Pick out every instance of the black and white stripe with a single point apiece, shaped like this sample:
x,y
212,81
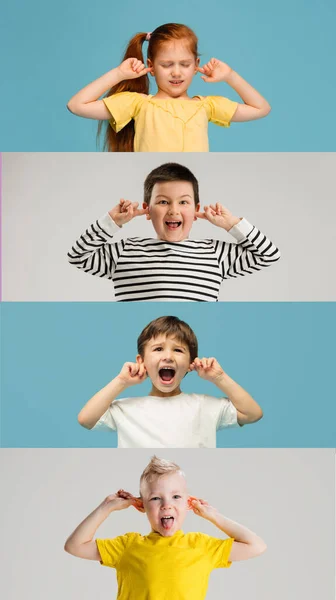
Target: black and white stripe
x,y
150,269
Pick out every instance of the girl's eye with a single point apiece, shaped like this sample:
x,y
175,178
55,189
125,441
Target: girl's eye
x,y
184,65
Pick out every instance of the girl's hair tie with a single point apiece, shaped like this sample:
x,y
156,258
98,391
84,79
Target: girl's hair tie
x,y
148,36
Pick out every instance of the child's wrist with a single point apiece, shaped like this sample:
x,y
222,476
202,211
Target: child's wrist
x,y
232,222
231,77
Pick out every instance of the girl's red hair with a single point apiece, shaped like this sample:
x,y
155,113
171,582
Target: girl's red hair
x,y
124,140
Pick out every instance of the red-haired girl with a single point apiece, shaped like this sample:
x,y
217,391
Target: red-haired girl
x,y
169,121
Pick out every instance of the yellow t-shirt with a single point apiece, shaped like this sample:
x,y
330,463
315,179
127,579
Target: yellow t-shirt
x,y
153,567
169,125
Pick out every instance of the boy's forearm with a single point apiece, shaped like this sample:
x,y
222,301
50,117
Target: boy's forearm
x,y
232,529
247,93
99,403
241,400
86,530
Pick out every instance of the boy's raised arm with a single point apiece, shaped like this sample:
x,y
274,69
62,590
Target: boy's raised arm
x,y
81,543
94,251
247,544
248,411
130,374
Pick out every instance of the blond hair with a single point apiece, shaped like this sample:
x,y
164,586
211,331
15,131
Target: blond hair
x,y
158,467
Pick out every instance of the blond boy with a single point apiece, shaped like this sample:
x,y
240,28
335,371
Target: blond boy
x,y
167,563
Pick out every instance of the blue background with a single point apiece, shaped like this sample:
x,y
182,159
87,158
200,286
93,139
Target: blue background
x,y
55,356
286,49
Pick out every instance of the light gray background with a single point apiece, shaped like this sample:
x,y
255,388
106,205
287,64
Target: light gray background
x,y
49,199
287,496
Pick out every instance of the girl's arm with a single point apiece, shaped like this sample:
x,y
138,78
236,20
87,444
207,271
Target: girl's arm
x,y
246,543
248,411
86,102
80,543
254,107
130,374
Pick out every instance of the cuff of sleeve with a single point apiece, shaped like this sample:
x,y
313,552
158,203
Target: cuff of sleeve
x,y
102,552
241,230
108,225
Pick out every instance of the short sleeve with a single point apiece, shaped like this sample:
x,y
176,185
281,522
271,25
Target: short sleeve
x,y
217,550
106,421
220,110
228,415
123,108
111,551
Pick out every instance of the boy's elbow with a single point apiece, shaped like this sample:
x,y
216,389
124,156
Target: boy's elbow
x,y
83,421
266,109
68,548
260,548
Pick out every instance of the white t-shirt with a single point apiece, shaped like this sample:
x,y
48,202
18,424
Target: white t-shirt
x,y
183,421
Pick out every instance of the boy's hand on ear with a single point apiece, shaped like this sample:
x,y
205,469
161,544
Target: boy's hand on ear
x,y
131,68
116,502
215,70
201,507
125,211
132,373
136,502
218,215
207,368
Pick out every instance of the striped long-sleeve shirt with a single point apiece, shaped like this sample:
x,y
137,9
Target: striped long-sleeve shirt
x,y
156,270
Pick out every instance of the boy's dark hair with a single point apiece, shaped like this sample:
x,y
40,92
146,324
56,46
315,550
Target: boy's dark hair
x,y
169,172
170,326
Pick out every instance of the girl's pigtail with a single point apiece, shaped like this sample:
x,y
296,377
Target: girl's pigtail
x,y
124,140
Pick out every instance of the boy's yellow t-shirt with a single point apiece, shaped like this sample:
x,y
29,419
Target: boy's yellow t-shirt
x,y
169,125
154,567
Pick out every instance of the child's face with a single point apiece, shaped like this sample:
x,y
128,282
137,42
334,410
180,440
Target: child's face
x,y
172,210
174,67
167,361
165,501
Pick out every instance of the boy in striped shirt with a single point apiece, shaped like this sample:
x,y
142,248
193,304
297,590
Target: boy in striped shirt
x,y
167,417
172,266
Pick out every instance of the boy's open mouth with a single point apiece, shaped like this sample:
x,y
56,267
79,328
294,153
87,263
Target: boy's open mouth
x,y
173,224
166,374
167,522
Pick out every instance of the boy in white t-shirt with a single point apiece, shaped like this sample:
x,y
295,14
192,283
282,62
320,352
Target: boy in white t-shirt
x,y
167,351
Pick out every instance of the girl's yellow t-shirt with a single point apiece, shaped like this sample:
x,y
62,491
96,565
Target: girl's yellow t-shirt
x,y
153,567
169,125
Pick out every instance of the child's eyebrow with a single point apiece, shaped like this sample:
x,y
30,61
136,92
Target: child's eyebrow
x,y
169,198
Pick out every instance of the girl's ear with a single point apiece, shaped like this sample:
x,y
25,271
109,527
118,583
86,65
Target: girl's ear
x,y
150,66
139,359
197,65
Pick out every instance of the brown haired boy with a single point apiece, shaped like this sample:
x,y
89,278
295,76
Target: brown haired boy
x,y
167,351
172,266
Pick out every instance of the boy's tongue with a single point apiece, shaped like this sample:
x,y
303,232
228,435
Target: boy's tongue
x,y
167,523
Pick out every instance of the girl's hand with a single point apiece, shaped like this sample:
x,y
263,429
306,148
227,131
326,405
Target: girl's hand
x,y
132,374
201,507
218,215
215,70
125,211
207,368
136,502
131,68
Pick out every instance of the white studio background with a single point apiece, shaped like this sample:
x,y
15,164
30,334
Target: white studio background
x,y
287,496
49,199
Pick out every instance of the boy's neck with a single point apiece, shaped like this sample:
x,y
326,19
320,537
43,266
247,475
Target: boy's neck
x,y
155,392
